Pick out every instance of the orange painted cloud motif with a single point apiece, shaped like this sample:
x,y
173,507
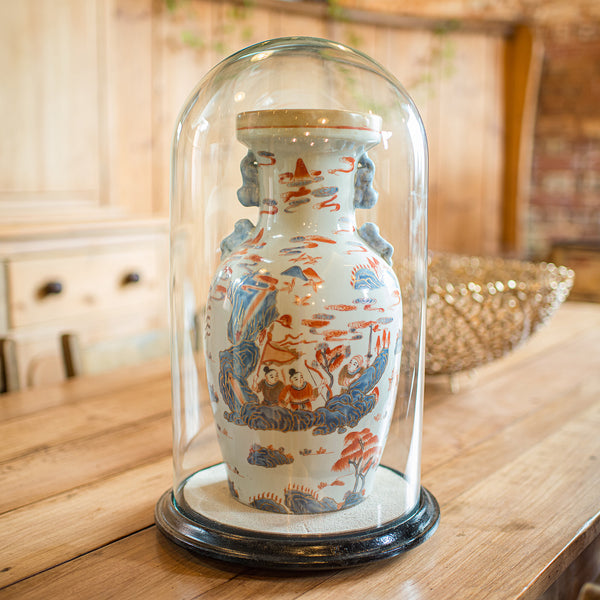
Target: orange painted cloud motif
x,y
315,322
343,307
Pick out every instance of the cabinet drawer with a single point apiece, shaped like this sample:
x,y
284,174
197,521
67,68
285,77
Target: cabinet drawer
x,y
43,289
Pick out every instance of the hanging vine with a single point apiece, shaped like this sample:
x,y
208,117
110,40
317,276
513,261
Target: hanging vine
x,y
237,24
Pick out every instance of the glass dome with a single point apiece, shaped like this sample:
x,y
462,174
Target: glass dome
x,y
298,280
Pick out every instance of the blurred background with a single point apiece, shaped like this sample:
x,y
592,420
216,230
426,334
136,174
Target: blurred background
x,y
509,92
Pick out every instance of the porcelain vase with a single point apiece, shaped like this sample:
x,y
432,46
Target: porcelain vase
x,y
304,317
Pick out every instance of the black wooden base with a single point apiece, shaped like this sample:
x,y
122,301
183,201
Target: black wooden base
x,y
298,553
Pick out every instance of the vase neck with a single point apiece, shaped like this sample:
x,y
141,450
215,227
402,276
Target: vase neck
x,y
302,167
304,191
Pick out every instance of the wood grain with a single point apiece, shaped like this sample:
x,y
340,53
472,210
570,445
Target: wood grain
x,y
455,427
523,68
148,552
49,69
30,433
126,79
452,549
479,543
90,459
67,525
464,215
30,401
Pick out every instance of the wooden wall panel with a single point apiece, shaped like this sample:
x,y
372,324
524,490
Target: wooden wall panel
x,y
183,51
49,100
494,179
523,68
455,80
96,87
126,109
464,153
410,58
456,83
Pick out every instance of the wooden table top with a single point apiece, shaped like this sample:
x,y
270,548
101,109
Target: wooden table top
x,y
513,458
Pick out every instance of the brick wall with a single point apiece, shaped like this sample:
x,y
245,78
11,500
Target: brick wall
x,y
565,192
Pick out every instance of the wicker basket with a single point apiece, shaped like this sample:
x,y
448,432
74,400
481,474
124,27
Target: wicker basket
x,y
479,309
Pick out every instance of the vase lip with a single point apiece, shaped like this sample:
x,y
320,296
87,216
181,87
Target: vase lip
x,y
308,118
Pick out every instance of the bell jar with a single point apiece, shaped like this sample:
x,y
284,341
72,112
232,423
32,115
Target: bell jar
x,y
298,288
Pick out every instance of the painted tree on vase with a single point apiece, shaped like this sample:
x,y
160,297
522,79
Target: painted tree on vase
x,y
361,452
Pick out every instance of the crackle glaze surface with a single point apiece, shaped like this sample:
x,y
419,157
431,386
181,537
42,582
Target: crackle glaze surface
x,y
304,318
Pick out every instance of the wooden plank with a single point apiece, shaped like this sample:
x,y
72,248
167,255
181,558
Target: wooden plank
x,y
126,117
354,33
410,60
149,551
70,524
30,401
82,461
296,89
397,15
456,426
461,10
435,66
492,123
189,575
465,145
544,491
60,424
185,46
49,72
286,23
461,145
584,570
522,73
482,456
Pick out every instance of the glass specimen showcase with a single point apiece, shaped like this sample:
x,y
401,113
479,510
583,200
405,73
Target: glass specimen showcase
x,y
298,287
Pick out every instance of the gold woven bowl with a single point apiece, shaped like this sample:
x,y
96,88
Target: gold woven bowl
x,y
479,309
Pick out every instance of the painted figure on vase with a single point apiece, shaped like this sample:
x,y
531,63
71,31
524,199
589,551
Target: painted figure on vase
x,y
299,394
351,372
271,386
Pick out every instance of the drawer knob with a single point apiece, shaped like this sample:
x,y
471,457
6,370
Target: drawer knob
x,y
51,288
132,277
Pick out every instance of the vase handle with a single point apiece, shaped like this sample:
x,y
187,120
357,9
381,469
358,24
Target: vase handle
x,y
248,196
365,195
248,193
241,232
369,232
